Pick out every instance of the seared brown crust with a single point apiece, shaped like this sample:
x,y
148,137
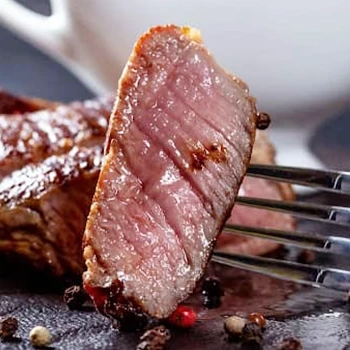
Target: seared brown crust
x,y
43,210
32,137
44,204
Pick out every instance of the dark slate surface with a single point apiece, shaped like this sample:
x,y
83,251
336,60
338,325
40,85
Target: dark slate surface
x,y
319,319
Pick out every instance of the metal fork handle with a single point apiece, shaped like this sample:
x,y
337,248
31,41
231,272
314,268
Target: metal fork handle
x,y
316,276
334,181
327,213
326,244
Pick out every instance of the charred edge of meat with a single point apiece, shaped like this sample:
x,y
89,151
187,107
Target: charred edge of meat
x,y
105,298
111,302
263,121
215,152
55,171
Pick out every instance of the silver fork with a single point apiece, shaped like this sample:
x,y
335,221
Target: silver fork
x,y
312,275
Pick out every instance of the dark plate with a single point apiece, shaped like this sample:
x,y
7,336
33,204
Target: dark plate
x,y
318,318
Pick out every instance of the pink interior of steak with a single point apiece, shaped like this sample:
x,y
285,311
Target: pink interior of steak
x,y
178,144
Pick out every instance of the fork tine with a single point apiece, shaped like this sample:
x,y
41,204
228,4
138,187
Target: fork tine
x,y
280,236
326,244
334,181
327,213
316,276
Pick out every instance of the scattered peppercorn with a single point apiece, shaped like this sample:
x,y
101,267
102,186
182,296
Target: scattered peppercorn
x,y
264,121
306,256
154,339
212,291
75,297
40,336
290,344
183,317
8,327
257,318
252,333
233,326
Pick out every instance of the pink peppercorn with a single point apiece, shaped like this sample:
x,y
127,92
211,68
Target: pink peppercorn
x,y
183,317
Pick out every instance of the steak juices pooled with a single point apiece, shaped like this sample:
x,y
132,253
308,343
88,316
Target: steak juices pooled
x,y
178,145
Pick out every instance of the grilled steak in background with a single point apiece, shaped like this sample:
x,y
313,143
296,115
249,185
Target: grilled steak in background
x,y
178,145
11,104
49,165
32,137
44,208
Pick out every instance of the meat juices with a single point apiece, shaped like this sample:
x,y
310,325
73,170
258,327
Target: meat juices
x,y
177,148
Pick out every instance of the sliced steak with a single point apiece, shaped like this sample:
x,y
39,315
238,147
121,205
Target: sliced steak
x,y
43,210
178,144
32,137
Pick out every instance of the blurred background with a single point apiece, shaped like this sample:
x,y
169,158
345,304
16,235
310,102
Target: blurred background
x,y
25,70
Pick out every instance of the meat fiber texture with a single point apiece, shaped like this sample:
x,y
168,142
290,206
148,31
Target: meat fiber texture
x,y
178,145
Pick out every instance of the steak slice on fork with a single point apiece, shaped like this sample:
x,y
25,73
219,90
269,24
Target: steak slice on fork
x,y
178,145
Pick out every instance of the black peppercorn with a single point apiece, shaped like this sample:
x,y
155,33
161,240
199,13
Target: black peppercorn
x,y
264,121
252,333
8,327
75,297
212,291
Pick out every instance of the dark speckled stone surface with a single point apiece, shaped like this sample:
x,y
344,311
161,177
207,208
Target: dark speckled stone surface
x,y
319,319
